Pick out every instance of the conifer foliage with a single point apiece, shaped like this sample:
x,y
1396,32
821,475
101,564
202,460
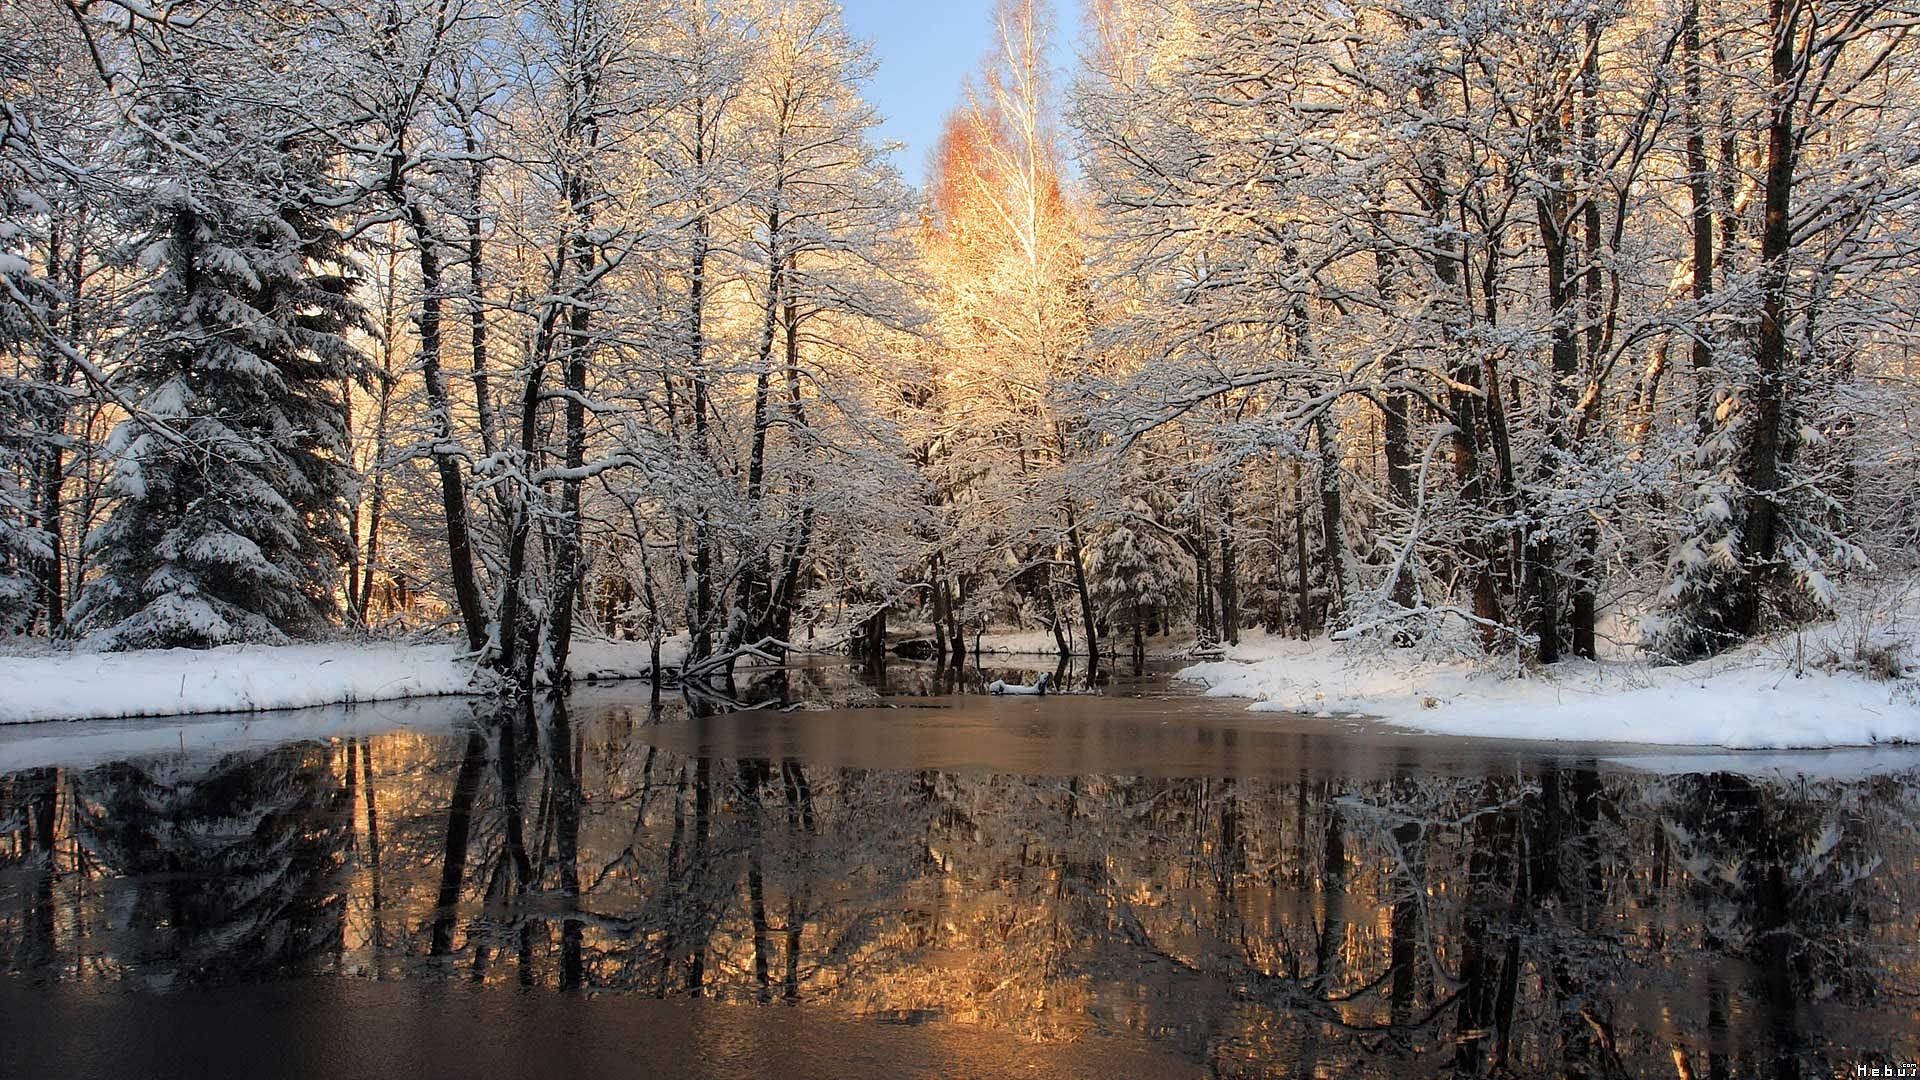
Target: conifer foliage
x,y
231,478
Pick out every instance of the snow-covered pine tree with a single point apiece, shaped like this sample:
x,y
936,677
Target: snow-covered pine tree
x,y
1137,566
22,542
23,297
232,481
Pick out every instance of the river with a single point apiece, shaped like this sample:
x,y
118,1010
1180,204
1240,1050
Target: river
x,y
895,877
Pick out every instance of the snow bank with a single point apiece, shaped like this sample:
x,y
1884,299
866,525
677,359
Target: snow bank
x,y
232,678
251,678
84,744
1750,699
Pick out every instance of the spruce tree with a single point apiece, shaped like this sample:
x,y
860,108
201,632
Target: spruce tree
x,y
21,541
232,481
23,303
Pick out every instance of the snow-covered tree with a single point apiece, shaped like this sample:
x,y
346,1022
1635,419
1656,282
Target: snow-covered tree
x,y
231,478
23,307
1005,250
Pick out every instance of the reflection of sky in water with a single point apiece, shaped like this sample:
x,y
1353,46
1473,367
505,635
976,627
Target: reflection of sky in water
x,y
1079,874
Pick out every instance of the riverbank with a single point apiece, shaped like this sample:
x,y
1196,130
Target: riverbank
x,y
50,684
1823,687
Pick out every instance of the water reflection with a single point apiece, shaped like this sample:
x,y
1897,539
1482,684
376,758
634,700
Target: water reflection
x,y
1370,910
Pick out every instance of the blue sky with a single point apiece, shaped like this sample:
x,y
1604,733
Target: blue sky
x,y
926,51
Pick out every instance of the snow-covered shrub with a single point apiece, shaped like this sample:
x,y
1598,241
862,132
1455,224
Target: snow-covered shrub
x,y
1872,633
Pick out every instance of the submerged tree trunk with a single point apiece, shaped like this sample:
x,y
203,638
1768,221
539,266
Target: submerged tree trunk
x,y
566,816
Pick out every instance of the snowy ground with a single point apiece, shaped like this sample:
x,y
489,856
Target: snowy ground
x,y
50,685
84,744
1770,695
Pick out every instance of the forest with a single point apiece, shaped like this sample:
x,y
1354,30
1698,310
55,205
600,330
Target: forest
x,y
1575,330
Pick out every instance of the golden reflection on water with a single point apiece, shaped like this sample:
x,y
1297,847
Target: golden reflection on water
x,y
1365,917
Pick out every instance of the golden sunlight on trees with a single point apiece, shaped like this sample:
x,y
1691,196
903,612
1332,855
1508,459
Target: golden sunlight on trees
x,y
1006,256
1571,333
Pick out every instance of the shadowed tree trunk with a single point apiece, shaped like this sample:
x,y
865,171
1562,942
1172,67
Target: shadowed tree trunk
x,y
444,450
1766,448
1229,575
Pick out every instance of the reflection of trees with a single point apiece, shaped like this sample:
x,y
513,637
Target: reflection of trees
x,y
1552,919
1785,884
29,824
217,872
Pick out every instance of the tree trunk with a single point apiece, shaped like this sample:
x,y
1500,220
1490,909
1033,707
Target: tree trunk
x,y
937,587
568,562
798,539
755,604
1583,615
1759,526
517,629
49,483
1700,220
1229,575
1086,594
45,458
876,642
700,618
1463,405
1396,409
477,296
1139,640
445,452
376,504
1334,545
1055,621
956,630
1204,626
1302,575
1540,544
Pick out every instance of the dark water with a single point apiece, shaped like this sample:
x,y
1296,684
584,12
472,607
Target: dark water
x,y
923,883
